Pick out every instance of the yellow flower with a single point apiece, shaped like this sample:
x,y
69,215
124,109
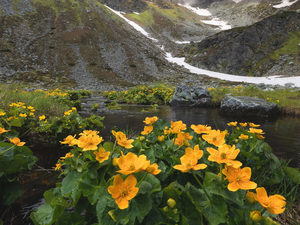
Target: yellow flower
x,y
225,154
161,138
274,204
23,115
188,163
31,108
67,155
147,130
89,132
153,169
58,167
2,130
194,152
74,109
243,124
101,155
232,124
31,114
239,178
16,141
177,127
123,191
199,129
260,137
171,203
89,142
255,216
70,140
244,137
256,131
122,140
2,113
67,113
131,163
214,137
179,140
150,120
42,117
253,125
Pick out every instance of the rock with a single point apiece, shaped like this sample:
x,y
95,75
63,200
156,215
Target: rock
x,y
247,106
190,96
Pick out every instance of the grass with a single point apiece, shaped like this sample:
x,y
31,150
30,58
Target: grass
x,y
41,101
288,100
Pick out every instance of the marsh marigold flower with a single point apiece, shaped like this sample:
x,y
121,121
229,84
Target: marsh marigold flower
x,y
177,127
225,154
122,140
2,113
153,169
194,152
131,163
243,124
101,155
199,129
42,117
189,162
23,115
215,137
256,131
244,137
179,140
70,140
58,167
68,155
150,120
147,130
274,204
239,178
161,138
16,141
251,197
89,142
232,124
2,130
123,191
253,125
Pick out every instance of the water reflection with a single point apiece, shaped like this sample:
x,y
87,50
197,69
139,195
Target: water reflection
x,y
281,133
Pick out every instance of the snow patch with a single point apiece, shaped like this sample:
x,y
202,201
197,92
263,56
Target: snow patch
x,y
211,21
133,24
255,80
284,4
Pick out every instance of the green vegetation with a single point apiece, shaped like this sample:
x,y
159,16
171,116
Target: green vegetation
x,y
158,94
168,174
288,100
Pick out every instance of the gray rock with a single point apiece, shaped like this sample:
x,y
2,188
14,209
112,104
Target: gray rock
x,y
190,96
247,106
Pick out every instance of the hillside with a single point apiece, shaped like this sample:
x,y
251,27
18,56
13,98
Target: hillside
x,y
268,47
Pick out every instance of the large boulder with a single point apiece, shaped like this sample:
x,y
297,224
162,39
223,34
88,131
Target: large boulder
x,y
190,96
247,106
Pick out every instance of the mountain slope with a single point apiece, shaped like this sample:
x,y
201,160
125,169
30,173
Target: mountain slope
x,y
264,48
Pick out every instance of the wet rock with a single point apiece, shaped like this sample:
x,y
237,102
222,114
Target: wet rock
x,y
248,106
190,96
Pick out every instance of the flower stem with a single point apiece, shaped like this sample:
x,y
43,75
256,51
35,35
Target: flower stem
x,y
201,186
263,211
7,149
248,220
142,179
221,173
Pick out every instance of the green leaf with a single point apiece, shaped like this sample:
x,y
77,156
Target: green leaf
x,y
144,187
46,215
68,218
191,215
212,183
16,123
102,208
154,217
108,146
10,192
215,211
293,174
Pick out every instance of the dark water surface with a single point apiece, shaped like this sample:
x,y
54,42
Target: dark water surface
x,y
282,134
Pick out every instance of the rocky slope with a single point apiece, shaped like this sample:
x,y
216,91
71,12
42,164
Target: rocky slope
x,y
268,47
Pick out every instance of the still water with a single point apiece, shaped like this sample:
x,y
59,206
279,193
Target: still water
x,y
282,134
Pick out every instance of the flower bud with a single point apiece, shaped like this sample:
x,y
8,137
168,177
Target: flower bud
x,y
171,203
141,138
255,216
175,211
236,141
115,162
251,197
166,209
142,151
